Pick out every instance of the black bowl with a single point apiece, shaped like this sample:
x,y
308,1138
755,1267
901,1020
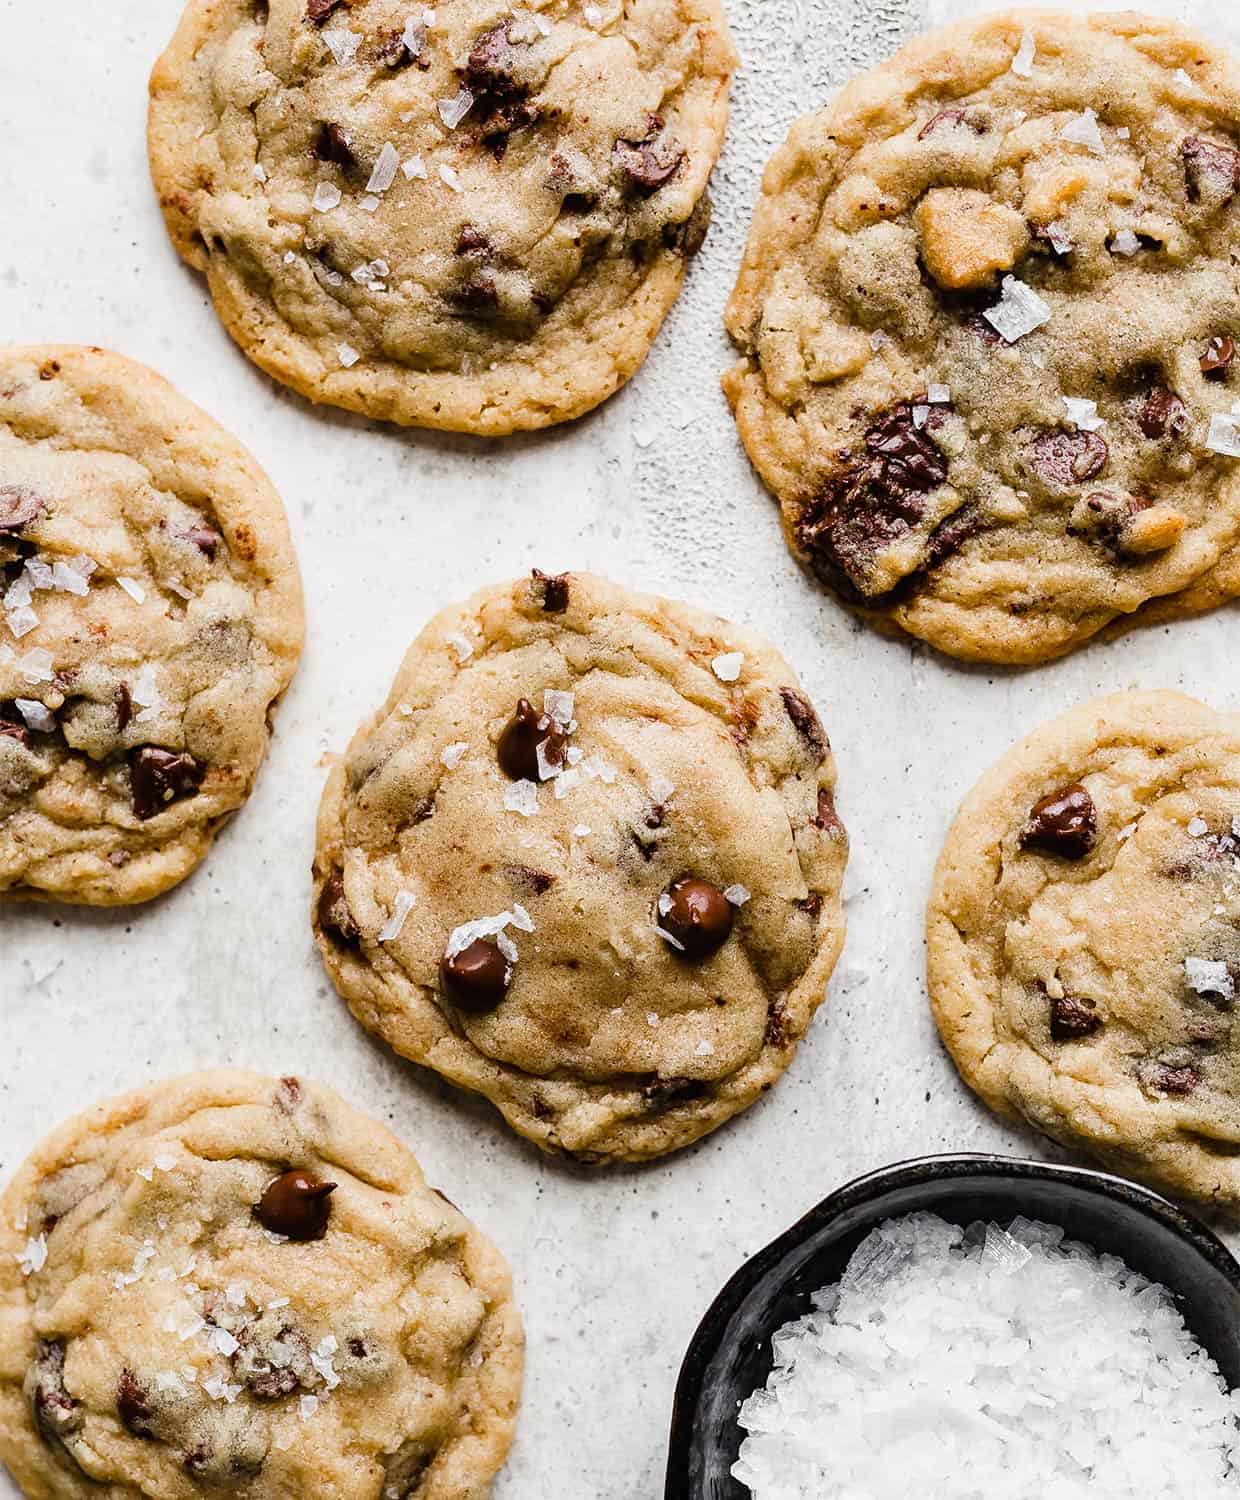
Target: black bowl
x,y
730,1354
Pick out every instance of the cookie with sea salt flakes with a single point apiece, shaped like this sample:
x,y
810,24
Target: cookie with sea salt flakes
x,y
585,861
231,1285
988,320
150,616
1084,937
473,216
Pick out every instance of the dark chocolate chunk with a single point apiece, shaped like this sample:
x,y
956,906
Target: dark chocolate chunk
x,y
297,1205
532,882
122,699
160,777
1065,823
1211,172
872,501
19,506
1217,360
648,163
827,819
319,10
1064,459
133,1405
335,918
472,241
57,1415
696,915
517,750
1178,1079
775,1033
13,727
1163,415
554,591
805,721
331,145
665,1093
1072,1017
477,977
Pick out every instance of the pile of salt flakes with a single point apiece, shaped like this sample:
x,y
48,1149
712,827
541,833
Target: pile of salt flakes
x,y
989,1364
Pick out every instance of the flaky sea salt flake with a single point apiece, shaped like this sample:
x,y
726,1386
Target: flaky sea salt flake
x,y
453,111
1084,413
1018,312
737,895
1022,63
326,197
384,174
521,797
1209,976
36,665
37,715
452,755
348,355
133,588
727,668
342,44
1082,130
1125,242
414,167
401,907
34,1257
1224,435
450,177
21,621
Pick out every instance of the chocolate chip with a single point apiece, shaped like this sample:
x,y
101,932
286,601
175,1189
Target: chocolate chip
x,y
1063,823
133,1405
477,977
472,241
688,237
122,700
827,818
477,296
1073,1017
335,918
160,777
12,727
648,163
1064,459
288,1095
554,591
949,119
1176,1079
665,1093
775,1033
1211,172
697,915
57,1415
804,720
319,10
951,534
872,501
517,750
490,71
1163,415
19,506
297,1205
526,878
332,145
1217,359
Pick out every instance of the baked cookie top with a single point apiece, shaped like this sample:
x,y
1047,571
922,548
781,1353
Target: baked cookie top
x,y
585,861
151,615
1083,937
988,319
468,216
230,1285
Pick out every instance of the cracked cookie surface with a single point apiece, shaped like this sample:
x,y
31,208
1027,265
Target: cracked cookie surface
x,y
472,216
585,861
987,319
231,1285
1084,937
152,615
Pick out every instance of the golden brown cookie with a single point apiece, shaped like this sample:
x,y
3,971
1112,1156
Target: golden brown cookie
x,y
1084,937
585,861
988,321
231,1285
468,216
152,616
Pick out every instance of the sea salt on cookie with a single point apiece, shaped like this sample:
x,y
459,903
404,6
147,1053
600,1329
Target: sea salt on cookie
x,y
229,1285
150,616
1084,952
585,861
469,216
988,320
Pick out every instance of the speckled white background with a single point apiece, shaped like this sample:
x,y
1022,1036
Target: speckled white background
x,y
613,1271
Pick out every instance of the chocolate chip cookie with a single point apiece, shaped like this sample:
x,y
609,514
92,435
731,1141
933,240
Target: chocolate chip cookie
x,y
151,616
988,320
1084,937
469,216
229,1285
586,861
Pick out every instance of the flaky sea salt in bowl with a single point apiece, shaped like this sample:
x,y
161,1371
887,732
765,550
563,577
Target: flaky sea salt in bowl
x,y
731,1356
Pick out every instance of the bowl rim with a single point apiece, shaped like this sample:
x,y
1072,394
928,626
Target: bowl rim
x,y
865,1189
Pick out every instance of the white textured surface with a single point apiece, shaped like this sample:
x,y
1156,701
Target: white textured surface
x,y
614,1270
